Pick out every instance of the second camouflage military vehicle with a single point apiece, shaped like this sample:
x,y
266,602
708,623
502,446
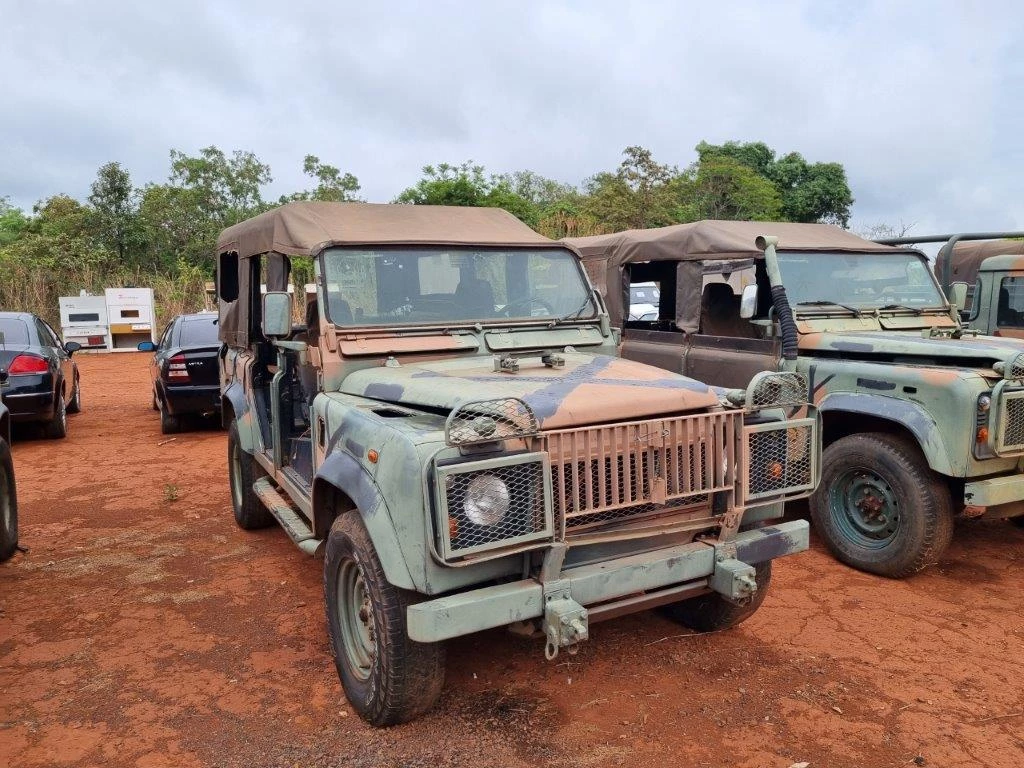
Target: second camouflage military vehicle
x,y
921,420
450,428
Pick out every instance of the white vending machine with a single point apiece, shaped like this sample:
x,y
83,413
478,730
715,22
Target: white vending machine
x,y
83,319
132,318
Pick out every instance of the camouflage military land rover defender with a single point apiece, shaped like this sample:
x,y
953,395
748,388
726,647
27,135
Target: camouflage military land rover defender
x,y
451,430
921,419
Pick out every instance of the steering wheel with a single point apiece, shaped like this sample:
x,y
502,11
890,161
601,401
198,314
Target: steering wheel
x,y
529,303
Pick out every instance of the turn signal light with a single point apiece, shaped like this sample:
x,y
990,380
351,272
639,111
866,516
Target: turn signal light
x,y
981,436
775,470
28,365
453,528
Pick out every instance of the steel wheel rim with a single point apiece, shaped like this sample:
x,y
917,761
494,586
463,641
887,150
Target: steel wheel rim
x,y
865,508
236,476
356,620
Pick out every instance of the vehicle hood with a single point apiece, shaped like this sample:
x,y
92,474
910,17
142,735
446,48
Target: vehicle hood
x,y
969,351
589,389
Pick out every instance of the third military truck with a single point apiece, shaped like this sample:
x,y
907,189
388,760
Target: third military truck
x,y
922,419
446,422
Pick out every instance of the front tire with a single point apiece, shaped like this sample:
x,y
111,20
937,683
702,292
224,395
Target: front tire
x,y
243,471
8,504
75,406
57,427
711,612
387,677
879,507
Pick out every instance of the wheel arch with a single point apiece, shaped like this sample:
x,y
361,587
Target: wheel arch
x,y
342,487
847,414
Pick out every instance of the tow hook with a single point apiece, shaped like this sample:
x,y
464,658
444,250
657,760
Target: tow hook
x,y
565,622
733,579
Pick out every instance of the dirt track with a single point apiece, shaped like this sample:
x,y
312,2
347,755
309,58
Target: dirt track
x,y
140,631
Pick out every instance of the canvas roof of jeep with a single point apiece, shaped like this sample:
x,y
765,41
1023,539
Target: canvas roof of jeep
x,y
711,239
968,256
307,228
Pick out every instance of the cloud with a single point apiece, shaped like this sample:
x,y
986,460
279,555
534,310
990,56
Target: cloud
x,y
917,100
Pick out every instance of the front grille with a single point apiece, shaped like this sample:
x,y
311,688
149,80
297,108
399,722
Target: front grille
x,y
527,517
1011,423
777,389
1017,367
640,469
781,459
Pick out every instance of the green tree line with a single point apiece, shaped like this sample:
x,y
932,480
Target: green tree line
x,y
163,235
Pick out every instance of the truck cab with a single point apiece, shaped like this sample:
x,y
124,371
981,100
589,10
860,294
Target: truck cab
x,y
446,423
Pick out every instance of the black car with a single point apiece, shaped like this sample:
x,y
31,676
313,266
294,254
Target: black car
x,y
8,494
42,380
184,370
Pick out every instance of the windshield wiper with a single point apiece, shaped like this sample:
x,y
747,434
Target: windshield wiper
x,y
574,315
847,307
915,310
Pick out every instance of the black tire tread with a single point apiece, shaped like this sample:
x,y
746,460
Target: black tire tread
x,y
253,514
936,505
9,538
75,406
57,427
711,612
411,677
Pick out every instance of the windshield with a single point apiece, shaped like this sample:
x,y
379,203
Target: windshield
x,y
441,284
864,281
13,331
644,293
1010,309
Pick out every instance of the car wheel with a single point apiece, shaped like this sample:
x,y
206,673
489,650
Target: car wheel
x,y
57,427
712,612
387,677
156,403
8,504
169,423
879,507
75,406
243,471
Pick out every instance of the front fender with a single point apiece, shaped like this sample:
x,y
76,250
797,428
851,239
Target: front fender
x,y
909,415
248,434
342,472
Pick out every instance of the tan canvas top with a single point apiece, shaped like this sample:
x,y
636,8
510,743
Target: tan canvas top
x,y
709,240
306,228
969,254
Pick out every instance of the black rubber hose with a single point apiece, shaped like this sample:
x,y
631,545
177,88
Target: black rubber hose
x,y
790,347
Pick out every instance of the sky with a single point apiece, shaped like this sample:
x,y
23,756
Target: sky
x,y
920,101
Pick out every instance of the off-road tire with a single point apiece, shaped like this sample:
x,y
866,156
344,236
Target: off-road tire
x,y
924,506
402,678
8,504
75,406
169,423
57,427
711,612
243,471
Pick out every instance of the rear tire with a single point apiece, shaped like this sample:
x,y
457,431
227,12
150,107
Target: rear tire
x,y
169,423
75,406
879,507
57,427
243,471
387,677
8,504
712,612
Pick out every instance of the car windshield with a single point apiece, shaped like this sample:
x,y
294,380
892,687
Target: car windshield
x,y
644,293
864,281
13,331
431,285
197,331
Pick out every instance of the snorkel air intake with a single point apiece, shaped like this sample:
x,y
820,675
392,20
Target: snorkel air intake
x,y
783,312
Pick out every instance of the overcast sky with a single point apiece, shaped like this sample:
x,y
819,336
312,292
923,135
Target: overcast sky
x,y
920,101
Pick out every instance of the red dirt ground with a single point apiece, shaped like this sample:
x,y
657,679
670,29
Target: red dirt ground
x,y
141,631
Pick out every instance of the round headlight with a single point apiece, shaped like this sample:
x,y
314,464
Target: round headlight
x,y
984,403
486,500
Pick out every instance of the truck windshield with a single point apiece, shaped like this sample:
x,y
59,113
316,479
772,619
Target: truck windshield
x,y
1010,310
432,285
864,281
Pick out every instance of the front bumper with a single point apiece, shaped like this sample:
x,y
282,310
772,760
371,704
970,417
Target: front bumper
x,y
698,566
995,496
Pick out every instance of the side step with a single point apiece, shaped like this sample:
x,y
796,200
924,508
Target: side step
x,y
296,528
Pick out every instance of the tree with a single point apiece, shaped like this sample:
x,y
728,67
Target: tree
x,y
115,209
13,222
809,192
228,188
466,185
723,188
334,186
639,194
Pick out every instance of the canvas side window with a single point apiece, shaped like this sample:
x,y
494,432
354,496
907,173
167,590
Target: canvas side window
x,y
1010,311
227,277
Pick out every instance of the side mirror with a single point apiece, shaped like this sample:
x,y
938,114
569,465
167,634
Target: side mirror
x,y
277,314
146,346
748,302
71,347
958,295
